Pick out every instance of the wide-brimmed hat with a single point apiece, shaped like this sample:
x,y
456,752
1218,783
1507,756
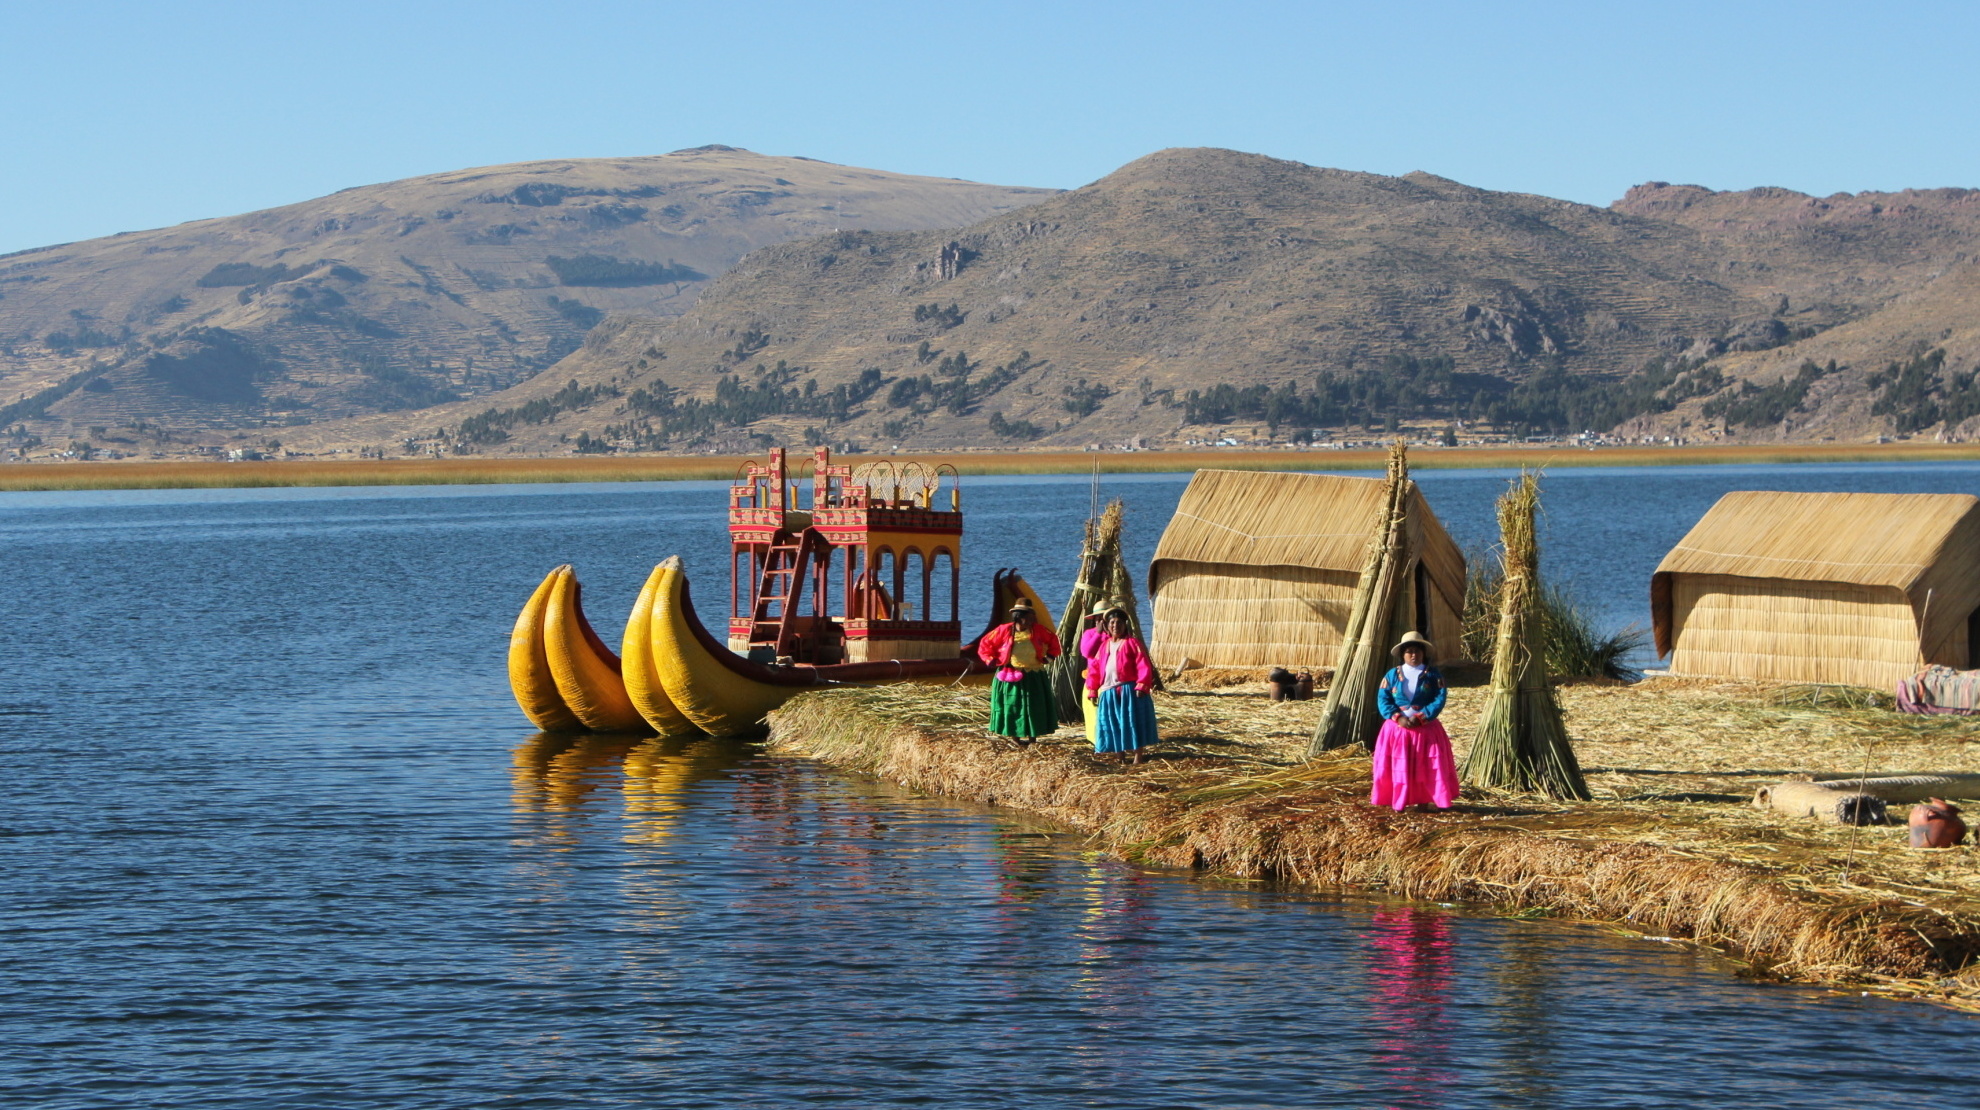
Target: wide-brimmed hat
x,y
1023,605
1106,605
1412,638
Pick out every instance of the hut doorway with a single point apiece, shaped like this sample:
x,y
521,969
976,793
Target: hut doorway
x,y
1420,607
1973,640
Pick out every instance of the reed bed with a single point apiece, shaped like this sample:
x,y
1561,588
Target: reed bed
x,y
1669,847
477,470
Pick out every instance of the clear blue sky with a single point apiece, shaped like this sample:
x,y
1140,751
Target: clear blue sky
x,y
118,116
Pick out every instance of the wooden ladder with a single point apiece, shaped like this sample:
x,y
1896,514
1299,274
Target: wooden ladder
x,y
784,567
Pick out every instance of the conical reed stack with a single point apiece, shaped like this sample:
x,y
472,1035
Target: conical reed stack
x,y
1349,716
1522,742
1100,566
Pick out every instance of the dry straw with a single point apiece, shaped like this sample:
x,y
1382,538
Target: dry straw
x,y
1261,570
1522,742
1727,876
1099,554
1349,716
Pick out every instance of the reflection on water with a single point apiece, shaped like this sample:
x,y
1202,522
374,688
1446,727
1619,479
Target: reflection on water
x,y
259,862
1410,965
853,942
658,773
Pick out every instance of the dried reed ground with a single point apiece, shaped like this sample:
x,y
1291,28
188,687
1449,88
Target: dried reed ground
x,y
1670,846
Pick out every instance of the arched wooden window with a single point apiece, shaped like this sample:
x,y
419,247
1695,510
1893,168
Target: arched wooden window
x,y
942,600
913,593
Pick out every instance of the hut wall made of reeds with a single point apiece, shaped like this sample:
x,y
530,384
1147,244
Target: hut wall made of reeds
x,y
1259,570
1861,589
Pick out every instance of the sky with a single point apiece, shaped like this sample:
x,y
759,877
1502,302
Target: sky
x,y
119,116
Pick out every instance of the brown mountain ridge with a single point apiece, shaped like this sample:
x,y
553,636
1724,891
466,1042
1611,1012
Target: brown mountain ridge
x,y
395,296
1285,297
1199,293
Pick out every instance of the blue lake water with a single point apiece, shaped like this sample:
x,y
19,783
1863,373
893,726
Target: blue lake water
x,y
275,835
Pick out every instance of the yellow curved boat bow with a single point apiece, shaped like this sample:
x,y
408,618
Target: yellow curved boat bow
x,y
586,671
642,678
716,699
529,665
564,677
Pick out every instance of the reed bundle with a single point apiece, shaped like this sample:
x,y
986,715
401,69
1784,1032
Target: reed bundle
x,y
1349,715
1522,742
1068,687
1103,578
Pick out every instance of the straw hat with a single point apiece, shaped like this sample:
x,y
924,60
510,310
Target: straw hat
x,y
1022,605
1412,638
1107,605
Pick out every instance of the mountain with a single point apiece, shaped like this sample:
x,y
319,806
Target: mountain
x,y
400,295
1875,328
1201,294
1187,292
1198,294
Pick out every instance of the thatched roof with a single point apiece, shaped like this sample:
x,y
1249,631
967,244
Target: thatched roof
x,y
1253,518
1926,545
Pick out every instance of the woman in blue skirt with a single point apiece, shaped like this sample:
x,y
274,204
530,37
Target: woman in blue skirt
x,y
1118,680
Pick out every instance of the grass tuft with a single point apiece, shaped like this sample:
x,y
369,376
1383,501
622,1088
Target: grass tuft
x,y
1572,645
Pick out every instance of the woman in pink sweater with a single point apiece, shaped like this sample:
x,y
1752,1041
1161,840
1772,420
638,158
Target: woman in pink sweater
x,y
1118,679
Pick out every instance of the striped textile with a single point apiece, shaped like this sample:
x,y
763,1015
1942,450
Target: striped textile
x,y
1940,689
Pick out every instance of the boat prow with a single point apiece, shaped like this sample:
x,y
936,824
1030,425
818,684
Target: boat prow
x,y
711,686
724,694
564,677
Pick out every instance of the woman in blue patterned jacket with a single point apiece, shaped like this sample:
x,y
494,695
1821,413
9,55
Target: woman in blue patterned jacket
x,y
1413,761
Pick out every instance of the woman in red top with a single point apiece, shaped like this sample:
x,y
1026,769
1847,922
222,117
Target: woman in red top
x,y
1021,703
1118,680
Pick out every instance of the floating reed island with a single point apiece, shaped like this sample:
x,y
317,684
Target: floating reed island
x,y
1669,846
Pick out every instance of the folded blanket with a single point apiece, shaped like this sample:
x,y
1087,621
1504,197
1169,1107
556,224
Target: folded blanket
x,y
1939,689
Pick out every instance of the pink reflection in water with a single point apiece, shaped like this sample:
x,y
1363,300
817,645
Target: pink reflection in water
x,y
1410,967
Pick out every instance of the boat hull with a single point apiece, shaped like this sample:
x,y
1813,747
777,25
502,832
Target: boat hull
x,y
676,678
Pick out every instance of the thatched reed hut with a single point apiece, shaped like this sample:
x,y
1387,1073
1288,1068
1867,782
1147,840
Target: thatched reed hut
x,y
1259,570
1862,589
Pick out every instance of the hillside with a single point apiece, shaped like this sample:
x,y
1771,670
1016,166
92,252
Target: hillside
x,y
1278,293
1205,294
1201,294
1892,281
401,295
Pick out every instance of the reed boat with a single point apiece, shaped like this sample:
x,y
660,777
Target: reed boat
x,y
882,532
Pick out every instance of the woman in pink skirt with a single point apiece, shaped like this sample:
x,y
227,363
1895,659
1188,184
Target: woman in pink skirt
x,y
1413,761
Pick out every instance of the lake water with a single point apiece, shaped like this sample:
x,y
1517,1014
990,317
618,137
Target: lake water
x,y
275,835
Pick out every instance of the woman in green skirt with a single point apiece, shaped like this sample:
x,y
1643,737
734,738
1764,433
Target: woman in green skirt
x,y
1021,702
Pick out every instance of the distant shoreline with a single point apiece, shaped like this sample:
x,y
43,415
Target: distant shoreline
x,y
137,474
